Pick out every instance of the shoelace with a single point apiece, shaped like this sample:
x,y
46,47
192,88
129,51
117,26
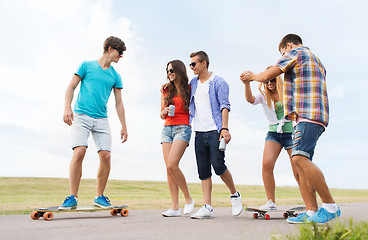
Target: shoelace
x,y
106,198
66,199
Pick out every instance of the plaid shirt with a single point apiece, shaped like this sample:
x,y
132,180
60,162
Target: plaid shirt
x,y
305,93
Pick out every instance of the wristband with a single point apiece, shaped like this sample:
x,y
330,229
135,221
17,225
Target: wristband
x,y
224,129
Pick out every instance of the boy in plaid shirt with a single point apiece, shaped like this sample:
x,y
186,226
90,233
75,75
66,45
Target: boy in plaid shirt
x,y
306,103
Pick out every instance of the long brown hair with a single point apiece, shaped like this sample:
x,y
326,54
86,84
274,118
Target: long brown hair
x,y
182,88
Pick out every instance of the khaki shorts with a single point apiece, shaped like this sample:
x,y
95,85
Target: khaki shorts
x,y
99,127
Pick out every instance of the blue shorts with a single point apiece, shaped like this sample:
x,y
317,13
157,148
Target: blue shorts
x,y
284,139
176,132
208,153
305,136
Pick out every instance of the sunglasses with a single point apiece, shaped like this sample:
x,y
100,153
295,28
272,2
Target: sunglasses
x,y
192,64
170,71
120,51
271,81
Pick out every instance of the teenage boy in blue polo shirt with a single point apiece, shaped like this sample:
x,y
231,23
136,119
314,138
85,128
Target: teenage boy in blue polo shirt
x,y
97,78
209,107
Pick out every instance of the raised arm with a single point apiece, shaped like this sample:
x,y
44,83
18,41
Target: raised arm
x,y
264,76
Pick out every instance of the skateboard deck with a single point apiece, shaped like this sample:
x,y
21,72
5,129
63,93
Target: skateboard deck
x,y
47,213
292,212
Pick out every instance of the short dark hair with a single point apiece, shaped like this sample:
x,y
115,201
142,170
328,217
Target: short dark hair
x,y
293,38
115,43
202,56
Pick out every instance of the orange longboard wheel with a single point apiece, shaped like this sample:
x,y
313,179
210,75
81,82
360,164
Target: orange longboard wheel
x,y
114,212
255,215
267,217
35,215
48,216
124,212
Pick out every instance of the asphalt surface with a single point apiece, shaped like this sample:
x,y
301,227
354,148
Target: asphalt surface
x,y
149,224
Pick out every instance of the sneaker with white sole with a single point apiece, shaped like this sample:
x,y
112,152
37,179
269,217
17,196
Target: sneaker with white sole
x,y
203,213
270,205
102,202
69,203
323,216
237,205
171,213
301,218
188,208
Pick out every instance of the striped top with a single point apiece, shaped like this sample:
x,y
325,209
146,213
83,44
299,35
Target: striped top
x,y
305,92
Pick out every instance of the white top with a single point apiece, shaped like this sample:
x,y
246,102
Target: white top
x,y
270,112
203,121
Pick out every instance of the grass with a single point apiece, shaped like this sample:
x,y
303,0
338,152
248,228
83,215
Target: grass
x,y
337,230
22,195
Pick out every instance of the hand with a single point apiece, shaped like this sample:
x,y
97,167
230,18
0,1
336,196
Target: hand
x,y
123,135
68,116
165,111
163,87
246,76
225,134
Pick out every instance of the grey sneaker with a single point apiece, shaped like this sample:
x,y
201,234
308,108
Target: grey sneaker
x,y
236,202
270,205
171,213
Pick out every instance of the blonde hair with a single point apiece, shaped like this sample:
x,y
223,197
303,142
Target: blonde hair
x,y
268,94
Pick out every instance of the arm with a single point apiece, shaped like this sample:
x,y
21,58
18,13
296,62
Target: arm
x,y
121,114
68,112
264,76
164,110
248,92
225,120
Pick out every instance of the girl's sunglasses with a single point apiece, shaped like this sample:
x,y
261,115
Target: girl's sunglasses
x,y
170,71
271,81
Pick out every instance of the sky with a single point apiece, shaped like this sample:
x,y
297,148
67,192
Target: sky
x,y
43,42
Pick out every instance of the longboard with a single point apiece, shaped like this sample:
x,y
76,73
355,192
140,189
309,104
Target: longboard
x,y
292,212
47,213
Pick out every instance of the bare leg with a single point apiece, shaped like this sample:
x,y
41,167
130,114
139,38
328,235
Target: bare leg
x,y
228,180
103,171
172,154
311,180
207,190
75,169
270,154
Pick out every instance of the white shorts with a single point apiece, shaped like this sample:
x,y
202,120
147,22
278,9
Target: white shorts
x,y
99,127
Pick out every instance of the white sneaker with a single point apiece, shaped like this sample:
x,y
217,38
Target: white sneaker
x,y
237,204
188,208
171,213
270,205
203,213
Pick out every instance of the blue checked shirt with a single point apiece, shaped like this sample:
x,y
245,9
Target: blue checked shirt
x,y
219,99
305,91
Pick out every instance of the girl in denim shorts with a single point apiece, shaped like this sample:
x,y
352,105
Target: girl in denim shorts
x,y
176,133
279,132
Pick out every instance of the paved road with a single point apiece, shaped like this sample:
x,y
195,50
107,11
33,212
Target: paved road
x,y
149,224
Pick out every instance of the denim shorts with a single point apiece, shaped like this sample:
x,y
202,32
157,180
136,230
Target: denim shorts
x,y
176,132
99,127
208,153
284,139
305,136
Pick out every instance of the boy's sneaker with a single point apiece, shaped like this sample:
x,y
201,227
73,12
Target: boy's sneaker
x,y
69,203
301,218
203,213
102,202
236,202
171,213
270,205
323,216
188,208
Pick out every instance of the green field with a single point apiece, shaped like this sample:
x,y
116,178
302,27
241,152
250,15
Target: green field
x,y
22,195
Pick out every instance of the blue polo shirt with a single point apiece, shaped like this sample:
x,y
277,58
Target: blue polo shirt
x,y
95,88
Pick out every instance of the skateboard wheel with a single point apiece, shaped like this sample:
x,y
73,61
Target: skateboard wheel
x,y
124,212
255,215
295,214
114,212
285,215
48,216
35,215
267,217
